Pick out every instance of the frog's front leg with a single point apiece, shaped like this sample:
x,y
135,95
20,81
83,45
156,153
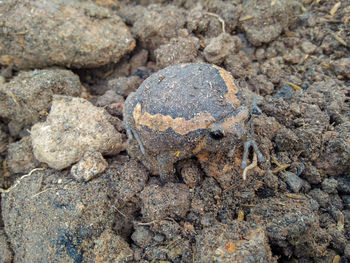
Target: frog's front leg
x,y
166,167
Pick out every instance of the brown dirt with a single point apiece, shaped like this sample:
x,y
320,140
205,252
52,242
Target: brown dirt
x,y
294,207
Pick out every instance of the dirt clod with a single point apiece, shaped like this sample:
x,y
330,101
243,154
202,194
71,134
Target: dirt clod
x,y
90,165
5,252
26,99
233,242
39,34
110,247
170,200
178,50
20,157
61,145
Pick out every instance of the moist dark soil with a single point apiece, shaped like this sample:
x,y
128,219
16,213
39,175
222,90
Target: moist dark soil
x,y
74,189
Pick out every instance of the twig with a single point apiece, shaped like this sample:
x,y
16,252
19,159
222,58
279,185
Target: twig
x,y
19,180
250,166
220,20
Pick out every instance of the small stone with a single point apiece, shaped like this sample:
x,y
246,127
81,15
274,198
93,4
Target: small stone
x,y
142,236
89,166
308,47
293,181
329,185
110,247
73,127
221,47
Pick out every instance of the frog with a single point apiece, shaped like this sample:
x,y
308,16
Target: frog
x,y
184,110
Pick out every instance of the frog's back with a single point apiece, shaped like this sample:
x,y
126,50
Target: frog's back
x,y
186,90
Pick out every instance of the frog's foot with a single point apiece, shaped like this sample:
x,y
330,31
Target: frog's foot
x,y
166,168
131,133
247,145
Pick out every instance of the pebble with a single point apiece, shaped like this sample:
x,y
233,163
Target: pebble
x,y
293,181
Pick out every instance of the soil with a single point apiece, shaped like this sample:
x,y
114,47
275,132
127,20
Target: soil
x,y
70,192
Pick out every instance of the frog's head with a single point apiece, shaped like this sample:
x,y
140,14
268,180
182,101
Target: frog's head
x,y
230,130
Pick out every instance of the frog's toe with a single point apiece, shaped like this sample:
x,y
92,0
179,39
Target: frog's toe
x,y
247,145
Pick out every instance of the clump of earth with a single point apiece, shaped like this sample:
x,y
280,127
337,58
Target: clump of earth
x,y
75,189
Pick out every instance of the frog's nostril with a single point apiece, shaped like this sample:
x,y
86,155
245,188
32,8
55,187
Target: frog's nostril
x,y
216,135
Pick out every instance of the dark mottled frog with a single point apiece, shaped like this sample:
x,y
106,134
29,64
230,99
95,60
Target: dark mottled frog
x,y
184,110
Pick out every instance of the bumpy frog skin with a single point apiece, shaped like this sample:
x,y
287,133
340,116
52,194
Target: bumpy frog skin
x,y
184,110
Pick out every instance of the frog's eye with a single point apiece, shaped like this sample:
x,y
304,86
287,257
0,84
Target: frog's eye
x,y
216,135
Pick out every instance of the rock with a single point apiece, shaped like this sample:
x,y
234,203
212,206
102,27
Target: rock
x,y
68,34
291,226
264,22
236,241
293,181
50,218
178,50
73,127
142,236
5,252
110,247
221,47
20,157
329,185
26,99
91,164
170,200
